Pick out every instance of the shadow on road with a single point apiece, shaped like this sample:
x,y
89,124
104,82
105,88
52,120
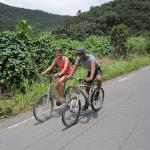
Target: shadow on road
x,y
86,116
57,112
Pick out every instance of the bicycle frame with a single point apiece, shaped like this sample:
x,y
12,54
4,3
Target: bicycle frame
x,y
87,96
49,86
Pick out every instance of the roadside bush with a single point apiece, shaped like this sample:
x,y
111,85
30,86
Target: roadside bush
x,y
16,61
137,45
99,46
119,35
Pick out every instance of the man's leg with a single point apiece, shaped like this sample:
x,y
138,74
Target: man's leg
x,y
88,84
88,87
99,81
99,84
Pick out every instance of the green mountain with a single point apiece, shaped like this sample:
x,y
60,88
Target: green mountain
x,y
40,20
99,20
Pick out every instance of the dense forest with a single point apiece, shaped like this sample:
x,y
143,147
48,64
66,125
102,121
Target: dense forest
x,y
99,20
9,16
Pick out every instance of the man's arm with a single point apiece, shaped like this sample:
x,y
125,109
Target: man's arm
x,y
74,68
92,70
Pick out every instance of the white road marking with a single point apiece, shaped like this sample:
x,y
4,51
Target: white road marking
x,y
20,123
23,122
126,78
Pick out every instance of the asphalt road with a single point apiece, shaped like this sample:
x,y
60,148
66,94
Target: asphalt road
x,y
122,124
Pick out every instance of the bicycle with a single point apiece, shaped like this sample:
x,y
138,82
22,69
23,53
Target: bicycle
x,y
44,106
73,104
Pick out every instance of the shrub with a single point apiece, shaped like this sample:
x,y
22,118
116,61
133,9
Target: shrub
x,y
137,45
99,46
16,60
119,36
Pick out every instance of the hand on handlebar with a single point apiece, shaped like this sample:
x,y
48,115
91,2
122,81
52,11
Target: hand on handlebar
x,y
57,75
70,76
88,79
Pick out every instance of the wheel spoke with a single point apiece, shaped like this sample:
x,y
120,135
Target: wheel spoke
x,y
43,108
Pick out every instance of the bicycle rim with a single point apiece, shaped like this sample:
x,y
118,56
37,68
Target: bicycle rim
x,y
97,103
71,112
42,109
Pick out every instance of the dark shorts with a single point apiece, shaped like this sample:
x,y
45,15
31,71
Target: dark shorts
x,y
98,71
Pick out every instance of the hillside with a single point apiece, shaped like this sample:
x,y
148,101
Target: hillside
x,y
99,20
41,20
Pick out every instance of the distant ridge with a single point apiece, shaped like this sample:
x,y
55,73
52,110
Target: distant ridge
x,y
9,15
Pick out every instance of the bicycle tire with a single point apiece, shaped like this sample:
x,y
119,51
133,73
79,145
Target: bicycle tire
x,y
72,109
100,99
43,101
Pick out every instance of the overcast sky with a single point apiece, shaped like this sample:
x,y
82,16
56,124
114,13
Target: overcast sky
x,y
62,7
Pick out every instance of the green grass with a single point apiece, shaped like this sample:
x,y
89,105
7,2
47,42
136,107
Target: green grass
x,y
20,102
123,67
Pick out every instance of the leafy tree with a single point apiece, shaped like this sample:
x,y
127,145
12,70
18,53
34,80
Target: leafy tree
x,y
133,13
119,36
23,29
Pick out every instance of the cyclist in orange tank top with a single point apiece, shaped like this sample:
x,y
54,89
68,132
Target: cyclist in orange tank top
x,y
66,69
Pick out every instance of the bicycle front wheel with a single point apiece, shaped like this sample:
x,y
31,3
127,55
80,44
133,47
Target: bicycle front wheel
x,y
97,99
43,108
71,112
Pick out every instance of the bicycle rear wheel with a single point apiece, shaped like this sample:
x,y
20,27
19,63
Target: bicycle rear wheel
x,y
97,101
43,108
71,112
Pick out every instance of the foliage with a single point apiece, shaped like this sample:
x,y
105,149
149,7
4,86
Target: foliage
x,y
121,67
21,59
16,60
100,19
119,36
9,16
83,30
137,45
99,46
23,29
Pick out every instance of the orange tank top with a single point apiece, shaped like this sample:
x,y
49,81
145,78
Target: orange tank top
x,y
62,65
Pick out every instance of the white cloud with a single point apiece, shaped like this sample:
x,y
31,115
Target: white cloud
x,y
63,7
